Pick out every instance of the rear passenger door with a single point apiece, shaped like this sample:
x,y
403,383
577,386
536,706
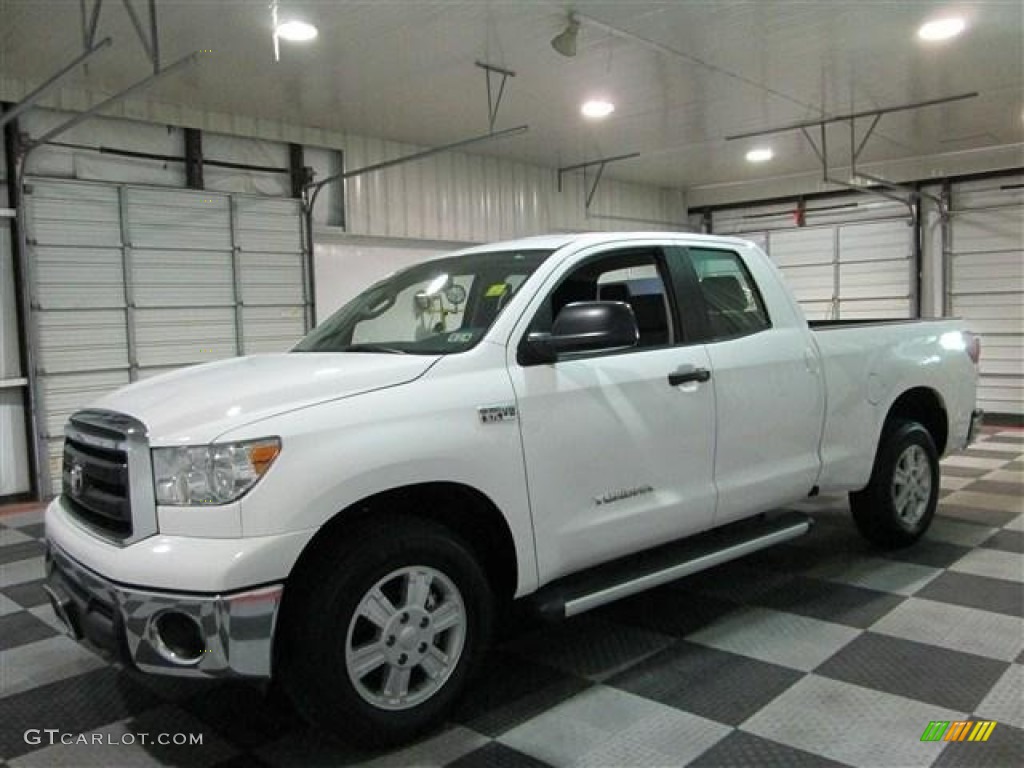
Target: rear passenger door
x,y
767,386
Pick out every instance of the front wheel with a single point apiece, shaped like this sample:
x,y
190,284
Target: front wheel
x,y
897,506
383,641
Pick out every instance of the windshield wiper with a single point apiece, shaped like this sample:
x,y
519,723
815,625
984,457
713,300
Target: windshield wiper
x,y
373,348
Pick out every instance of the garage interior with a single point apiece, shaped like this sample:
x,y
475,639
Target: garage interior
x,y
183,185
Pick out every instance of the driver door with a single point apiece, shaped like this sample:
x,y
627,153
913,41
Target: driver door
x,y
618,459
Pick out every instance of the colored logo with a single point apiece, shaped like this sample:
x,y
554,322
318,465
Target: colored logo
x,y
959,730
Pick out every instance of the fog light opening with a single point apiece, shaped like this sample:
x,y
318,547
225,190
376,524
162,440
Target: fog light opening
x,y
179,638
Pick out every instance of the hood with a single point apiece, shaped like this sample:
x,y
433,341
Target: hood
x,y
199,403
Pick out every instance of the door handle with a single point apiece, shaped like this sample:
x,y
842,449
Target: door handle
x,y
683,377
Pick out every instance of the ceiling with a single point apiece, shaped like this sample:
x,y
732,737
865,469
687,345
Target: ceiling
x,y
683,75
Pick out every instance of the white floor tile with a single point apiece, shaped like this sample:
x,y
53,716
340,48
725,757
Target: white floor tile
x,y
952,626
792,641
13,536
997,502
851,724
1005,702
954,483
21,571
994,563
606,727
974,462
876,573
43,662
1017,524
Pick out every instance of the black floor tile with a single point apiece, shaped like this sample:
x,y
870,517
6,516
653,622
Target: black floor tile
x,y
994,486
830,601
742,581
1015,466
1008,541
964,471
973,591
175,723
36,530
76,705
243,714
23,550
990,517
588,646
1004,748
22,628
242,760
786,559
670,611
745,750
714,684
28,594
936,554
927,673
510,690
495,755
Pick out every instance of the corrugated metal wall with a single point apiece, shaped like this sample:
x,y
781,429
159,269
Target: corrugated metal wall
x,y
475,198
14,475
985,256
129,282
853,259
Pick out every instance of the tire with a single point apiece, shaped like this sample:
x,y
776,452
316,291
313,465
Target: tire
x,y
898,504
384,631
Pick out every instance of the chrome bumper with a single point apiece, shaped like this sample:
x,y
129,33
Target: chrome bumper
x,y
233,633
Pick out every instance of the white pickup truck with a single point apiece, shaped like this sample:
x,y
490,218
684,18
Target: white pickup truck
x,y
570,419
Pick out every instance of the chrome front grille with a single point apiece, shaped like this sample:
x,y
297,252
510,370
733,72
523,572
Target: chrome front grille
x,y
107,475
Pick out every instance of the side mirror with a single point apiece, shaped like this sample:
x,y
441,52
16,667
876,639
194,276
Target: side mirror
x,y
585,326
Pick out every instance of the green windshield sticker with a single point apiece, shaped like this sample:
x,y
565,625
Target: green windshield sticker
x,y
496,290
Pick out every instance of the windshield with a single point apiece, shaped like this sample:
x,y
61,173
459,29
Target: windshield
x,y
435,308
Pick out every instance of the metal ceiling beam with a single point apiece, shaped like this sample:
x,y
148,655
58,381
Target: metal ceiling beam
x,y
851,116
92,111
602,162
29,101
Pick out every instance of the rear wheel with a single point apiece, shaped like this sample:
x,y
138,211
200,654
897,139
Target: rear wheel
x,y
897,506
385,633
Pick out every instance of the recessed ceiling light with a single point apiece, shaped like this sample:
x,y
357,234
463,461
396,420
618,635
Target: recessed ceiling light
x,y
296,31
760,155
941,29
597,108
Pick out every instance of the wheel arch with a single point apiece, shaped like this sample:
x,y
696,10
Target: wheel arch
x,y
925,406
466,511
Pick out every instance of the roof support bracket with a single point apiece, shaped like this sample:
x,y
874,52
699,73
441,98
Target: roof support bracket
x,y
859,180
494,101
600,164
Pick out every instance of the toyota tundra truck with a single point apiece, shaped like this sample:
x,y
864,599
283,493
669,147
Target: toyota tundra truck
x,y
562,421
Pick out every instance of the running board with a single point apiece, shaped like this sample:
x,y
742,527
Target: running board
x,y
606,583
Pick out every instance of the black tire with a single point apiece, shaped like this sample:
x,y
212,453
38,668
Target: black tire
x,y
906,447
325,624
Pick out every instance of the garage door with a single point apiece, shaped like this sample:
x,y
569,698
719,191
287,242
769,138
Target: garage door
x,y
129,282
986,283
852,260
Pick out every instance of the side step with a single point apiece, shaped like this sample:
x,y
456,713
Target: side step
x,y
627,576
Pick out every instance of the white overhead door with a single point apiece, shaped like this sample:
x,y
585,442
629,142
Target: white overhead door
x,y
129,282
986,283
14,464
853,258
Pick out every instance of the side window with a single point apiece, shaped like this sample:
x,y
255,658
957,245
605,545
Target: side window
x,y
634,277
731,300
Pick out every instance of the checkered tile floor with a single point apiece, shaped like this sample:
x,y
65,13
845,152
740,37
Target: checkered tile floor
x,y
819,652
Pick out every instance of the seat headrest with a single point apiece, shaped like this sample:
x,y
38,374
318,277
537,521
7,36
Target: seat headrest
x,y
614,292
724,292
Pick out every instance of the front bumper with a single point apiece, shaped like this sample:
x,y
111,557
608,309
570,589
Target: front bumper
x,y
233,633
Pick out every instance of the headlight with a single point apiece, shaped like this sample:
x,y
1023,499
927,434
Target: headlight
x,y
211,474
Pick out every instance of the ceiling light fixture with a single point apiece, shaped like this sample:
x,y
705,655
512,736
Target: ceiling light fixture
x,y
597,109
760,155
941,29
565,41
295,31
